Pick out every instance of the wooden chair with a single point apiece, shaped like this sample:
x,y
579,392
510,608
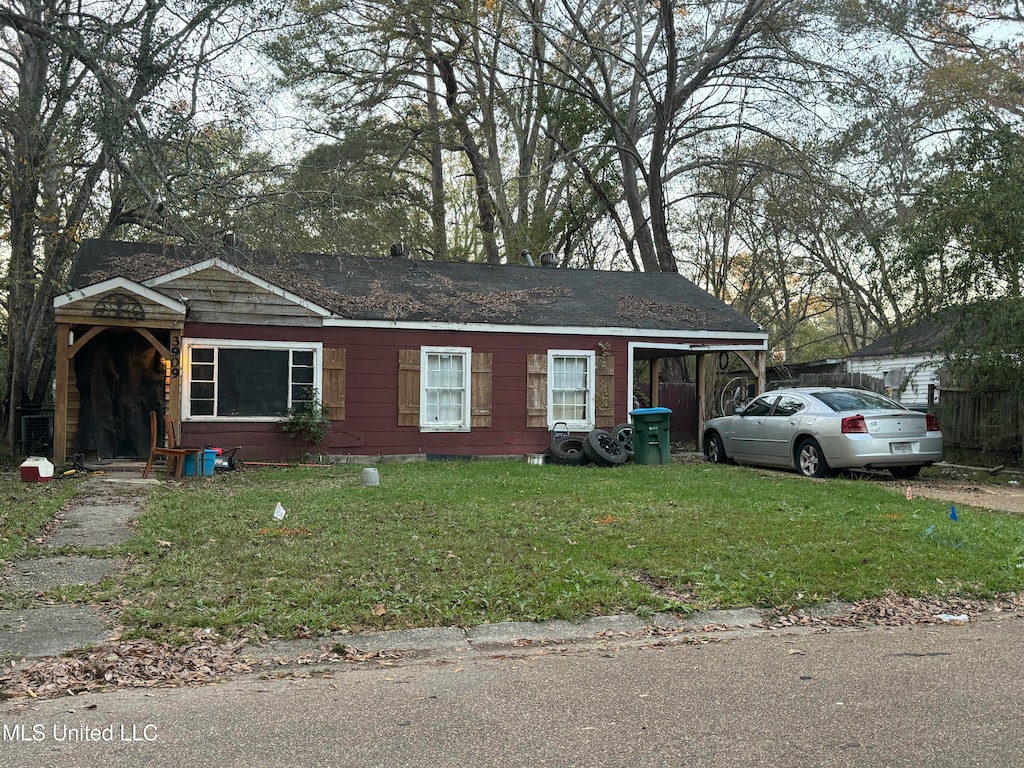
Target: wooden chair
x,y
173,451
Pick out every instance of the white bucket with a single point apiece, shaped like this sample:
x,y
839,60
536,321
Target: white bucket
x,y
370,476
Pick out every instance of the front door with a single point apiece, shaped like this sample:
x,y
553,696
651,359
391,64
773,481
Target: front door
x,y
120,379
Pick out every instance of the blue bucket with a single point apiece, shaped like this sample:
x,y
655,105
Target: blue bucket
x,y
189,467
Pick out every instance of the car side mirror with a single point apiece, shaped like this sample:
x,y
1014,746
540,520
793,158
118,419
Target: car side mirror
x,y
740,410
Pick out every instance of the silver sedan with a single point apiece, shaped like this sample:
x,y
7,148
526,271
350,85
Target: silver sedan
x,y
818,429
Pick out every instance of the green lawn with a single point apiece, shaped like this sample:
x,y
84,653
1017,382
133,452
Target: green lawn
x,y
458,543
24,509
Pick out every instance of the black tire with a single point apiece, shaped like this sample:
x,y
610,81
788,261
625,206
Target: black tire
x,y
904,473
603,449
810,461
714,450
624,434
568,451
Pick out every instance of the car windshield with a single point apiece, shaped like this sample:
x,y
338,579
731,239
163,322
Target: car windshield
x,y
856,400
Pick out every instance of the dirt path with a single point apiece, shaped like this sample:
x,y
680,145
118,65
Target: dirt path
x,y
1001,498
1003,492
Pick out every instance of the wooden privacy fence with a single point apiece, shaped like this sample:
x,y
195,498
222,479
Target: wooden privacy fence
x,y
842,379
982,426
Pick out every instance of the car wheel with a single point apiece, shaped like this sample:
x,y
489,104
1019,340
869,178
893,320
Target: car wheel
x,y
568,451
810,462
624,434
714,451
904,473
603,449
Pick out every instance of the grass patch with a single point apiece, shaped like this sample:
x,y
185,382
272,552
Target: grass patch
x,y
466,542
25,508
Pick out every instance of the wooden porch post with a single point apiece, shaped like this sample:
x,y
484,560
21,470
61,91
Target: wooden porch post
x,y
60,403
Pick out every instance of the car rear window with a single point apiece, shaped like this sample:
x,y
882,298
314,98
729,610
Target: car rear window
x,y
859,400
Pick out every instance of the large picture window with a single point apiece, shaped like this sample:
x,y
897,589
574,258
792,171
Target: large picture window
x,y
571,388
247,380
445,393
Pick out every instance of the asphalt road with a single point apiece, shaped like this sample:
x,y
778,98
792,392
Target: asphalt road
x,y
924,696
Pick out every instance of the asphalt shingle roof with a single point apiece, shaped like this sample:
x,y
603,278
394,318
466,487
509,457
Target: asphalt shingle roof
x,y
405,289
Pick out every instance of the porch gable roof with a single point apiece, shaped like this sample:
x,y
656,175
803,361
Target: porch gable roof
x,y
115,286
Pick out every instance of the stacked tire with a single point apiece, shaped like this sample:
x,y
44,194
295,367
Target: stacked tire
x,y
567,451
605,448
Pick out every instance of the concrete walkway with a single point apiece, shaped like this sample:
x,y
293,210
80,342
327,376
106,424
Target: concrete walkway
x,y
96,520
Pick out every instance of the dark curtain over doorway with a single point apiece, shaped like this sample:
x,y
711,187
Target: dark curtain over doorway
x,y
120,379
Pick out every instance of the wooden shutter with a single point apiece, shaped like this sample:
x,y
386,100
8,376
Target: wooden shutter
x,y
604,392
408,387
334,383
481,389
537,390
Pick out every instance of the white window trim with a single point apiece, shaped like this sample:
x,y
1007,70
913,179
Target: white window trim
x,y
578,425
467,373
315,347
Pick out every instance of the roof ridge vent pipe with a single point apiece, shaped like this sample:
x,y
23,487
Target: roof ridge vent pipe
x,y
548,259
526,256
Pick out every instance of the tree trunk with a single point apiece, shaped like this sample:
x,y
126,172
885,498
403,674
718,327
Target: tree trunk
x,y
484,201
438,207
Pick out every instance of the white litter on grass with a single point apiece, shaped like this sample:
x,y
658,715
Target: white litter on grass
x,y
949,618
279,512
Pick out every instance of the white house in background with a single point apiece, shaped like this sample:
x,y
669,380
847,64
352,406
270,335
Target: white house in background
x,y
908,361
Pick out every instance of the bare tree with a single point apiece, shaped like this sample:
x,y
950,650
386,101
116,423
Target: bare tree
x,y
492,116
664,76
81,88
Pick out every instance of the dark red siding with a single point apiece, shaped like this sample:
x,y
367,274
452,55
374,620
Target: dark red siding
x,y
371,408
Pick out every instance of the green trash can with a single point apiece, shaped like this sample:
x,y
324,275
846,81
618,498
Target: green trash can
x,y
651,435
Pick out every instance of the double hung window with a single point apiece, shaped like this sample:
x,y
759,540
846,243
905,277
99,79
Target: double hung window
x,y
250,380
571,388
445,388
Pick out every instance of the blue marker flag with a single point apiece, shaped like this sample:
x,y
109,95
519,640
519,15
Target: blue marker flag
x,y
952,514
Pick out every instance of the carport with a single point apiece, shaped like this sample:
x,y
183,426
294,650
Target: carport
x,y
752,352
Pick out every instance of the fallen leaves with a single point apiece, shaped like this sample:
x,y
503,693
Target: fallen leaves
x,y
894,610
128,664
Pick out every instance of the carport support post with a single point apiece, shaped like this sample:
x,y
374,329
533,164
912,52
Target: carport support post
x,y
655,380
702,398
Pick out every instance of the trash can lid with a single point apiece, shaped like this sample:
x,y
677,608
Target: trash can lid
x,y
642,411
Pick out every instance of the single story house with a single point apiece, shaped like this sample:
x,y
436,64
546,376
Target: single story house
x,y
907,361
408,357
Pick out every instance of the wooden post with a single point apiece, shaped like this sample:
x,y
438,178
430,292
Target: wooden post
x,y
702,398
60,402
655,380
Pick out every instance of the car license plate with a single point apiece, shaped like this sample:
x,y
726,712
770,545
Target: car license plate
x,y
901,447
